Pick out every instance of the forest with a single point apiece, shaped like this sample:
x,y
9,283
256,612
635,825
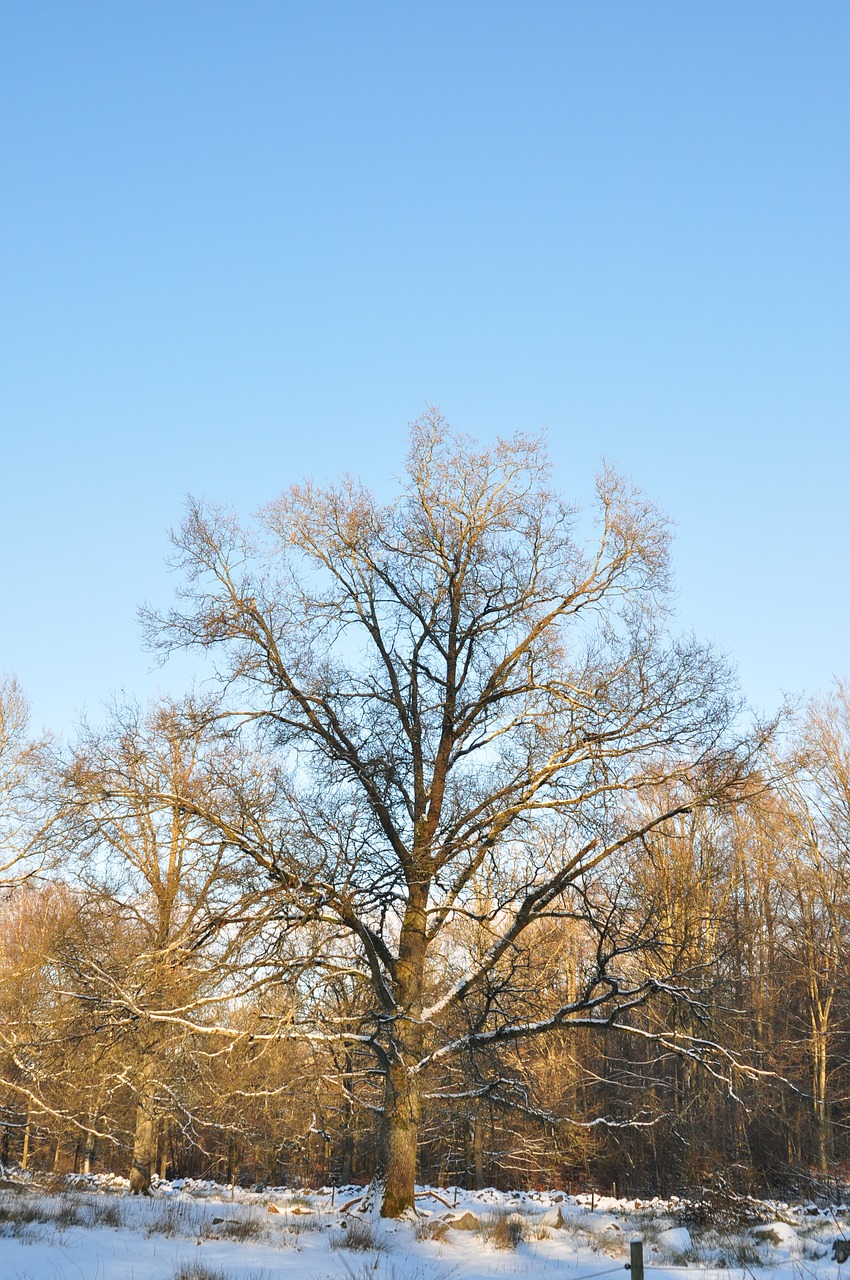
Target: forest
x,y
462,863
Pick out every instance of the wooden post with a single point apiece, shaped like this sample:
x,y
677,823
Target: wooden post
x,y
636,1259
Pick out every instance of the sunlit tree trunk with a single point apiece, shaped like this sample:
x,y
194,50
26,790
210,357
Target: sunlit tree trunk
x,y
478,1149
403,1087
820,1018
144,1140
25,1154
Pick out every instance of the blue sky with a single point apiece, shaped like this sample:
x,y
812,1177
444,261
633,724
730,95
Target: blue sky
x,y
245,243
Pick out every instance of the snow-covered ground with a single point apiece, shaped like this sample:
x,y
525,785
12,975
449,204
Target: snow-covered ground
x,y
191,1230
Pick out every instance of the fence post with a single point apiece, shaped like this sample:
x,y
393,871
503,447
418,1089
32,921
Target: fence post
x,y
636,1259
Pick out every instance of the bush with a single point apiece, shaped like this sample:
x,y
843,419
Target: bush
x,y
721,1207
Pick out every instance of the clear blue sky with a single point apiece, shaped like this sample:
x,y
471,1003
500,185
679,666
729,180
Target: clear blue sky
x,y
246,242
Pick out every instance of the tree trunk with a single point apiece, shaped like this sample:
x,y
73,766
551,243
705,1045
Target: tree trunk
x,y
819,1011
163,1152
25,1155
346,1164
403,1089
144,1143
822,1119
402,1115
478,1148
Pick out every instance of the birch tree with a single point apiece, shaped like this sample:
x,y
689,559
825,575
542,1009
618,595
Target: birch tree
x,y
475,676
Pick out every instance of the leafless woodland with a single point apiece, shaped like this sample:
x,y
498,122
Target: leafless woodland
x,y
469,866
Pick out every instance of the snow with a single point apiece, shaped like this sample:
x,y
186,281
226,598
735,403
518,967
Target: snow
x,y
96,1231
677,1239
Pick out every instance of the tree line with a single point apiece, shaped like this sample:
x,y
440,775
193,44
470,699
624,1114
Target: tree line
x,y
467,864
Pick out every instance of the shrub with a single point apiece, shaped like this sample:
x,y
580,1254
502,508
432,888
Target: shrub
x,y
740,1251
721,1207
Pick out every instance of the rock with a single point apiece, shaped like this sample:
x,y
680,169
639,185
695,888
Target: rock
x,y
435,1230
775,1233
840,1250
552,1218
677,1239
464,1222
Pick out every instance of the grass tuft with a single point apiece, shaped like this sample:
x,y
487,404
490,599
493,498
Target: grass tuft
x,y
360,1235
247,1227
196,1269
431,1229
504,1230
104,1213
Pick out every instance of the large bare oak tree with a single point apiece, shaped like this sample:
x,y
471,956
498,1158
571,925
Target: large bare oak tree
x,y
472,684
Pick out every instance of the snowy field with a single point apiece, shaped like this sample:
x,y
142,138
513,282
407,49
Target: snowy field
x,y
192,1230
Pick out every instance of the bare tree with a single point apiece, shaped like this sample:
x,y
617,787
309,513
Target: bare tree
x,y
26,812
174,885
815,817
465,679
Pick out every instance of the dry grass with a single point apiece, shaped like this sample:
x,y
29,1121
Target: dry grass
x,y
21,1213
431,1229
198,1270
250,1226
172,1218
358,1234
504,1230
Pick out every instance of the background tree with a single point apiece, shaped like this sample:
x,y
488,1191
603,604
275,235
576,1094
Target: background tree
x,y
816,815
175,886
27,811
